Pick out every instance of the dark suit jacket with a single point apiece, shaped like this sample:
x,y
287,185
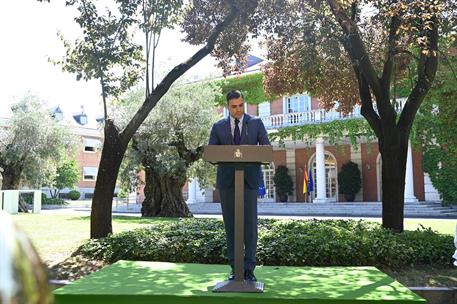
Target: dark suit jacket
x,y
252,133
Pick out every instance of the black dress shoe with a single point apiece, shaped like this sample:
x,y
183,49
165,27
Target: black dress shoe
x,y
231,276
249,276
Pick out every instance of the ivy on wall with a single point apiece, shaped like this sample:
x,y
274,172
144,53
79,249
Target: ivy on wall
x,y
334,131
435,130
251,85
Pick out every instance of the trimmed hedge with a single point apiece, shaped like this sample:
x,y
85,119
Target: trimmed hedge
x,y
291,243
74,195
28,197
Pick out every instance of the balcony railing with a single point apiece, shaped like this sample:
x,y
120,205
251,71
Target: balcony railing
x,y
315,116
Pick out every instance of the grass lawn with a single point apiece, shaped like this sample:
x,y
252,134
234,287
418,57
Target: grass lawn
x,y
57,236
444,226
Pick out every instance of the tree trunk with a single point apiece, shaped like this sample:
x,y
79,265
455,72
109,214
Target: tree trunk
x,y
22,205
163,195
110,162
11,177
54,193
393,147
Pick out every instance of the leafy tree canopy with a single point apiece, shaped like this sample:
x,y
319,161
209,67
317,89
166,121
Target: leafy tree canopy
x,y
181,121
32,144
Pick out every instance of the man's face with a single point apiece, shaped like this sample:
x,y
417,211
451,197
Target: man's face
x,y
236,107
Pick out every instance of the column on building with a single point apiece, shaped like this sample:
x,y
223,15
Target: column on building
x,y
198,195
204,195
192,191
409,177
290,164
321,185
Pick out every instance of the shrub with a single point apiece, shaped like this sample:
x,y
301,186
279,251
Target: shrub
x,y
53,201
288,243
28,197
74,195
283,183
123,194
349,181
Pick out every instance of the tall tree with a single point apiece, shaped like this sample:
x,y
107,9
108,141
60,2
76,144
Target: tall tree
x,y
169,142
66,176
31,144
107,53
354,51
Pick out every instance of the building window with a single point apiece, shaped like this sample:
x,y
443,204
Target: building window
x,y
90,173
91,145
330,176
297,103
264,109
268,171
83,119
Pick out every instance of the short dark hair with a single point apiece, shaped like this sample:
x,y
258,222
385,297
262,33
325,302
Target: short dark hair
x,y
234,94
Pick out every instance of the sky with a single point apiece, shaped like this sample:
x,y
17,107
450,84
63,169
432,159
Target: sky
x,y
28,31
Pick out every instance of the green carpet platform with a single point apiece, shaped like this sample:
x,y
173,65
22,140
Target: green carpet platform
x,y
154,282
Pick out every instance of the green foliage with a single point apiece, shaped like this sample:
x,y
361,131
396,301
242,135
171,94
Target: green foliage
x,y
74,195
288,243
334,131
106,51
349,181
169,139
67,174
53,201
28,198
251,85
123,193
283,182
33,144
436,129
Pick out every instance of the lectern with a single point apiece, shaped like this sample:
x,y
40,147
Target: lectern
x,y
239,156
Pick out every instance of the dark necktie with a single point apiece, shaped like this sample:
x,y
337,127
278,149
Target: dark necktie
x,y
236,133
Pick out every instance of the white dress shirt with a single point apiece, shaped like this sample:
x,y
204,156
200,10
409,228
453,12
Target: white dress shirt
x,y
232,124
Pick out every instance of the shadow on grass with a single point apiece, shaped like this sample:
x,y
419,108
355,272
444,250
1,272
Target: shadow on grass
x,y
131,219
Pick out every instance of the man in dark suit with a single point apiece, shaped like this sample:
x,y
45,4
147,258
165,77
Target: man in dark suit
x,y
239,129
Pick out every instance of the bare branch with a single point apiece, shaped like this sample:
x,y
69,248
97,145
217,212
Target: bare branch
x,y
367,104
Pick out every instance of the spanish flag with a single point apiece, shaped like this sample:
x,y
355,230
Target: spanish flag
x,y
305,181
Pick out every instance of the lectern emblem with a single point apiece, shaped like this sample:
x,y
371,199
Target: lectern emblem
x,y
238,154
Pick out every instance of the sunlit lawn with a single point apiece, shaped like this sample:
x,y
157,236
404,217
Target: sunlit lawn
x,y
444,226
57,236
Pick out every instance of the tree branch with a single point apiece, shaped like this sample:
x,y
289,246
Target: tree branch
x,y
356,50
426,71
391,52
175,73
189,156
367,104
